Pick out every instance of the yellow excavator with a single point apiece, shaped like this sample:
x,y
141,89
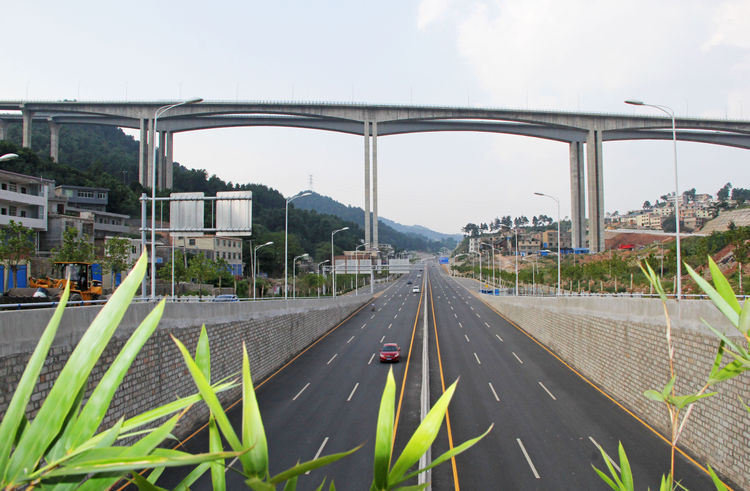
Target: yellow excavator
x,y
82,286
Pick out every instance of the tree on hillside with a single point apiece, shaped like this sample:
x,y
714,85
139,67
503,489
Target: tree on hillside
x,y
723,193
74,248
690,194
507,221
646,204
470,229
741,194
16,245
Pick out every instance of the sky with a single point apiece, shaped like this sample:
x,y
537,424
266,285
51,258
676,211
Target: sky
x,y
568,55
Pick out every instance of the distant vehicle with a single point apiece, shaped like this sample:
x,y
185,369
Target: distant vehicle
x,y
390,352
408,282
226,298
415,289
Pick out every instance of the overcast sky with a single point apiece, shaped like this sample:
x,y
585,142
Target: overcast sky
x,y
538,54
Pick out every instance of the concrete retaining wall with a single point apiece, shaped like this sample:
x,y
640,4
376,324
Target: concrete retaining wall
x,y
273,331
620,345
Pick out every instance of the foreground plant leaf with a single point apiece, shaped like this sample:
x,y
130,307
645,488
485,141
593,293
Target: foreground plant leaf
x,y
384,434
253,432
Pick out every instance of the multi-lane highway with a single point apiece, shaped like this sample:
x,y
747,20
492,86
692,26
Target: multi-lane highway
x,y
549,422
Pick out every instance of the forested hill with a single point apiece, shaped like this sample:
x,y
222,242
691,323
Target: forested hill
x,y
387,233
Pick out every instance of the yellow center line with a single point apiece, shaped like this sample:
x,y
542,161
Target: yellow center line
x,y
442,383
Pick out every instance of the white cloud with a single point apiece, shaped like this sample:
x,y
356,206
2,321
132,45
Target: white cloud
x,y
429,11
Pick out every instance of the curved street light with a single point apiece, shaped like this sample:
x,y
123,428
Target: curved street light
x,y
333,263
356,270
157,113
255,262
558,237
670,112
8,156
286,236
294,274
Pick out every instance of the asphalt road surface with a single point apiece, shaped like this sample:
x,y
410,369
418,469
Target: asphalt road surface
x,y
549,422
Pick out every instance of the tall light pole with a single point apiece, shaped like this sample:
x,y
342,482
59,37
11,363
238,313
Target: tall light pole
x,y
670,112
493,264
356,270
294,274
558,237
255,262
333,263
317,268
516,260
157,113
286,236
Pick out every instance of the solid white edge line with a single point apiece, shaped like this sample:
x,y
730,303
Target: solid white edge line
x,y
320,450
426,459
373,356
528,459
334,356
475,356
548,392
493,392
517,358
350,340
300,392
605,453
352,392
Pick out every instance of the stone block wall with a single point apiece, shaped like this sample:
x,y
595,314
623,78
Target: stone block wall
x,y
620,345
274,332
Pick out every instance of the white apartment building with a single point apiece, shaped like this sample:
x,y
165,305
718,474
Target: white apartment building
x,y
23,199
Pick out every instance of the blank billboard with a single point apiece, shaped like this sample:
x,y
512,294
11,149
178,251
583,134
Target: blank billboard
x,y
186,214
234,213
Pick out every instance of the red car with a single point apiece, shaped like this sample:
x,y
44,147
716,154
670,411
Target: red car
x,y
390,352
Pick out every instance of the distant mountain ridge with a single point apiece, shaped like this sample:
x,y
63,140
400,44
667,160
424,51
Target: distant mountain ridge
x,y
389,232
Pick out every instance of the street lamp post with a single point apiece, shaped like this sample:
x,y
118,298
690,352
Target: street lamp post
x,y
255,262
670,112
294,274
356,270
157,113
558,237
333,263
317,268
492,246
286,236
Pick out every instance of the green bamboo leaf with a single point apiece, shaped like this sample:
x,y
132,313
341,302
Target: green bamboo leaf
x,y
203,354
257,484
155,474
134,463
143,483
169,408
720,486
728,342
668,388
447,455
320,488
423,437
654,280
625,472
682,401
722,286
98,403
144,446
214,445
49,420
14,417
384,434
613,480
194,475
744,321
715,297
654,395
209,396
253,432
59,446
607,479
291,484
716,367
310,465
